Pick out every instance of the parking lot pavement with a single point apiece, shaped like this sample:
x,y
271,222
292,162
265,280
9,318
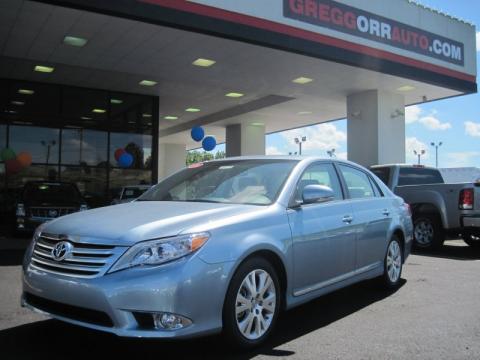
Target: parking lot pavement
x,y
434,315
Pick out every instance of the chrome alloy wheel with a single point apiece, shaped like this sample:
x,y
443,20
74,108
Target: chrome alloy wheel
x,y
423,232
255,304
394,261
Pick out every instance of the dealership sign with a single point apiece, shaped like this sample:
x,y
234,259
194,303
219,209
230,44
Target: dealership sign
x,y
347,19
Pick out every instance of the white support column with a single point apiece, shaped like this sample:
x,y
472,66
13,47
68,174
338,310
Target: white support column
x,y
171,158
245,139
376,128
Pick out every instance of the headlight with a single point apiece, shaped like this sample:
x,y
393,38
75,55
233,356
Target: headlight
x,y
156,252
20,210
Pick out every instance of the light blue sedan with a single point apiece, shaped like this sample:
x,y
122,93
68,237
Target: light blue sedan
x,y
222,245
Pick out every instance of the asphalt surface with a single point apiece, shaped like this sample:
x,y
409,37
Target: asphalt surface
x,y
435,314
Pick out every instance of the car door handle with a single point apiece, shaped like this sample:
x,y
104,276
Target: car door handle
x,y
385,212
347,219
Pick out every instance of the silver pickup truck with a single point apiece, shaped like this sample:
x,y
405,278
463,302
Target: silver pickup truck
x,y
439,210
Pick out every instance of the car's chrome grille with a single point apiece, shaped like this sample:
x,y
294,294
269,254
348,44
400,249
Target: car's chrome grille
x,y
85,259
51,212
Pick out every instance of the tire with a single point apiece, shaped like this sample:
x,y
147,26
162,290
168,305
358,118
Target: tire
x,y
472,240
245,329
428,232
393,264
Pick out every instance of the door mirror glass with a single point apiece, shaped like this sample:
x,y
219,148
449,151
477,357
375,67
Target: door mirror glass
x,y
317,194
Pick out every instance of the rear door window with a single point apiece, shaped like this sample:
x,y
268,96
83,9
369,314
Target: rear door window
x,y
358,183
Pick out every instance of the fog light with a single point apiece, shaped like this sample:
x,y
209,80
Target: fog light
x,y
168,321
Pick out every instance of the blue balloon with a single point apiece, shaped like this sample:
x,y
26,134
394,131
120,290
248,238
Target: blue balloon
x,y
197,133
209,143
125,160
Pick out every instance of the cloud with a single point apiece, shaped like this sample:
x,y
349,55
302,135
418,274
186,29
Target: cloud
x,y
320,138
432,123
460,159
411,144
412,113
273,150
471,128
342,155
478,41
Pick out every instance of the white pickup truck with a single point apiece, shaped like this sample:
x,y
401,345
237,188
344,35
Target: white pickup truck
x,y
439,210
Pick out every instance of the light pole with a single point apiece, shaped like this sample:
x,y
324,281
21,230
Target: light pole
x,y
419,154
48,145
299,142
331,153
436,146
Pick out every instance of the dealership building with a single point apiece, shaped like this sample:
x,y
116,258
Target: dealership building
x,y
82,81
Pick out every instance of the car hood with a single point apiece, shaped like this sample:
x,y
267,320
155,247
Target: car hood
x,y
129,223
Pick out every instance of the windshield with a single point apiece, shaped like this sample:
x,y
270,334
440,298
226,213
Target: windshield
x,y
56,193
256,182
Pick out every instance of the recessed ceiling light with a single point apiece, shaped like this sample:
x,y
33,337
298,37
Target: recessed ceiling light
x,y
147,115
132,122
304,113
234,95
86,118
257,124
18,103
26,91
74,41
44,69
406,88
302,80
192,110
204,62
116,101
170,117
99,111
148,83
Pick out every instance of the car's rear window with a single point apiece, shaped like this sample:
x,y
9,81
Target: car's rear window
x,y
419,176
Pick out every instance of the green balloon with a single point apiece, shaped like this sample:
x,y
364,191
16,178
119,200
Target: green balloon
x,y
7,154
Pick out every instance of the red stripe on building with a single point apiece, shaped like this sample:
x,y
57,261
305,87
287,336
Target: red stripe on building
x,y
252,21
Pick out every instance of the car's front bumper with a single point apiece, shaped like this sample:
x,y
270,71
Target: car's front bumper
x,y
188,287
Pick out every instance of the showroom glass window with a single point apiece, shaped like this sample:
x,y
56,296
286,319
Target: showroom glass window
x,y
72,133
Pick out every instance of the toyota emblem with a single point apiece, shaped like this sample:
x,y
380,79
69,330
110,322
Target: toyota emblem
x,y
61,250
52,213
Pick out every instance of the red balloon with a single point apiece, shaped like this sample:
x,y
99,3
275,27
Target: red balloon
x,y
118,153
13,166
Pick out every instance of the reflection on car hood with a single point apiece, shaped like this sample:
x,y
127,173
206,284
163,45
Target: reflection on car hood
x,y
142,220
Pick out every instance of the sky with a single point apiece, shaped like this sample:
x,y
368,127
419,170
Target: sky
x,y
455,122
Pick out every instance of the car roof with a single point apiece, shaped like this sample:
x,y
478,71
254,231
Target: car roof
x,y
284,157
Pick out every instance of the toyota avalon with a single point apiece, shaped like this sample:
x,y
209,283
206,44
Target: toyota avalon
x,y
219,246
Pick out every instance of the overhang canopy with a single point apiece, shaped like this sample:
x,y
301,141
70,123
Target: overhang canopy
x,y
259,49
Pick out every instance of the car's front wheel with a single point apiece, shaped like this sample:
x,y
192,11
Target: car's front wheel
x,y
252,303
393,263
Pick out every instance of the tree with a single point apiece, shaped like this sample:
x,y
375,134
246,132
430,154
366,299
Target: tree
x,y
195,156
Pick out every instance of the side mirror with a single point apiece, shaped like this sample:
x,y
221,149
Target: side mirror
x,y
317,194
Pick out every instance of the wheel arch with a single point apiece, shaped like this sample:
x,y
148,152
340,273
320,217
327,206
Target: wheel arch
x,y
276,261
